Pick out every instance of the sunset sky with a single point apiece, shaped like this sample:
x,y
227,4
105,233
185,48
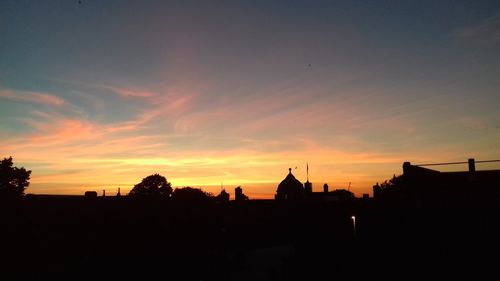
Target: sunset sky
x,y
101,94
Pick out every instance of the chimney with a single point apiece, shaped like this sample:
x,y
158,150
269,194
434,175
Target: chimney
x,y
472,165
103,192
406,167
325,188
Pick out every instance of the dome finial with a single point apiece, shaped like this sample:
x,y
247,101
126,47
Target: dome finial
x,y
289,170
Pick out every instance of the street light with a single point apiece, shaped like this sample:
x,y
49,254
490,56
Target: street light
x,y
353,218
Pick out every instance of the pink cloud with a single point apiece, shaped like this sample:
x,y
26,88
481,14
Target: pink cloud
x,y
139,122
124,92
64,131
121,91
180,103
35,97
58,136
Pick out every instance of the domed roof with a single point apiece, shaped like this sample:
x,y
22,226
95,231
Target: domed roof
x,y
290,187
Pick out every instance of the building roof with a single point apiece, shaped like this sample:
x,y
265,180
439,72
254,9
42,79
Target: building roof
x,y
290,186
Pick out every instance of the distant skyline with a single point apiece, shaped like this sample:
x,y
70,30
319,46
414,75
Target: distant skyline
x,y
100,94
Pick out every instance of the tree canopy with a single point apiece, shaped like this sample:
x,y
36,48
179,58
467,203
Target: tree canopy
x,y
153,185
223,197
13,180
393,189
189,194
343,194
393,184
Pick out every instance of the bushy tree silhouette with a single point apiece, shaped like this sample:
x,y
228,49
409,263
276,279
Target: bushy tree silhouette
x,y
393,189
343,194
223,197
153,185
13,180
392,184
189,194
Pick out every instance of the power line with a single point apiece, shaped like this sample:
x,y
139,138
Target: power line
x,y
454,163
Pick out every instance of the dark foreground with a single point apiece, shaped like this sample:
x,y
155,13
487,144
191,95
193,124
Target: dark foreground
x,y
115,238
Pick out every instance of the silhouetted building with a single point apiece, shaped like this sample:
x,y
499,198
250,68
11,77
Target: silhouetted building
x,y
290,188
118,194
424,187
238,194
90,194
337,195
308,187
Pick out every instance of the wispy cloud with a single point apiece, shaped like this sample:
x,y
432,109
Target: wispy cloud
x,y
485,33
34,97
119,90
127,92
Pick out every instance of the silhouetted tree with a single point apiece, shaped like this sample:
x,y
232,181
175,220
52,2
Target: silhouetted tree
x,y
239,195
13,180
189,194
223,197
343,194
393,189
153,185
392,184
